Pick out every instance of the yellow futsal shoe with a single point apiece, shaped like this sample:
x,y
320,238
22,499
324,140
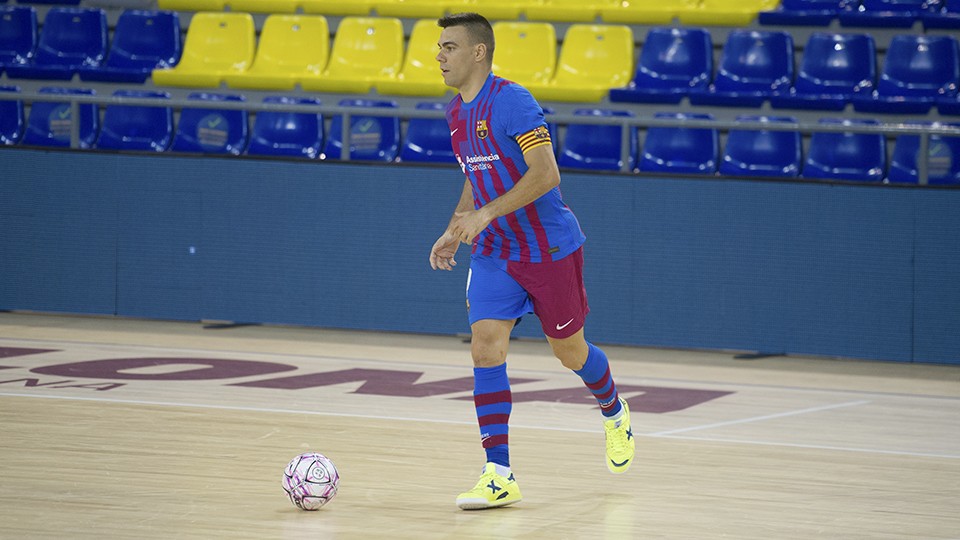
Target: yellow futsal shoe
x,y
620,443
491,491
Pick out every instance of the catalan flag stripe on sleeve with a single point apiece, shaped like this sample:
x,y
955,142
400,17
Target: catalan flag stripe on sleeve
x,y
538,136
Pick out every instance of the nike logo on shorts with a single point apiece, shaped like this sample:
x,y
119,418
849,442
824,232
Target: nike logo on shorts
x,y
564,325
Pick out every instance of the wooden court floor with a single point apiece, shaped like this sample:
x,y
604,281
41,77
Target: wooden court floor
x,y
115,428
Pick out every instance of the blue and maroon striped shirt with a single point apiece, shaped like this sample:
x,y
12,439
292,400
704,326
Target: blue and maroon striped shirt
x,y
489,136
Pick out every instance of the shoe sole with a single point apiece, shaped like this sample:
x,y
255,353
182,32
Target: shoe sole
x,y
482,504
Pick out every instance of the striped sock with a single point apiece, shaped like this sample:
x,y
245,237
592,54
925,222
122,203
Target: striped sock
x,y
596,375
492,398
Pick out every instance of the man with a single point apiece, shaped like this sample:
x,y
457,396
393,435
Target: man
x,y
526,254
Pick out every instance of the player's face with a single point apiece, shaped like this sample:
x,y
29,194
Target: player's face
x,y
456,55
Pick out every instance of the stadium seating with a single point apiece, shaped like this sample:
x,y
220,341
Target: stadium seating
x,y
762,152
292,48
142,41
70,38
372,138
885,13
50,123
673,62
725,12
11,116
420,8
943,163
680,149
834,69
948,16
420,74
647,11
287,133
805,12
753,66
584,11
191,5
18,36
339,7
533,52
506,10
208,130
217,45
593,59
365,50
917,71
597,147
428,139
128,127
263,6
846,156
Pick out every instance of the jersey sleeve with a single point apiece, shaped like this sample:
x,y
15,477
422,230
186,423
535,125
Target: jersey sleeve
x,y
522,118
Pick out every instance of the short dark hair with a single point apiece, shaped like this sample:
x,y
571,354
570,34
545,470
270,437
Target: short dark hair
x,y
478,28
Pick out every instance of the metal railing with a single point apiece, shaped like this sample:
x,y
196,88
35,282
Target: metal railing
x,y
626,123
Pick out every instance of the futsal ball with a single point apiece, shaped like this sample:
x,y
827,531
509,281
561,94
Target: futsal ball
x,y
311,481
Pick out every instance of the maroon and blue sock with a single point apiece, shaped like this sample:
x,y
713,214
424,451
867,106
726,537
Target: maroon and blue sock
x,y
492,398
596,375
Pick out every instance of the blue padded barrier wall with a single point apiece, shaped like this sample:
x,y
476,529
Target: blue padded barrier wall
x,y
778,267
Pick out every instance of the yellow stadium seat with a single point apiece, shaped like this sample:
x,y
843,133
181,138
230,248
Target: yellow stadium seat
x,y
191,5
419,8
365,50
507,10
594,59
217,44
569,10
291,47
726,12
526,52
339,7
263,6
420,75
648,11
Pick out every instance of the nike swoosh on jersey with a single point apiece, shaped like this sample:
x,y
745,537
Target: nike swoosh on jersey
x,y
564,325
454,131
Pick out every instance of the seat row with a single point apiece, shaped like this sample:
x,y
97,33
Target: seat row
x,y
704,12
866,13
918,71
208,129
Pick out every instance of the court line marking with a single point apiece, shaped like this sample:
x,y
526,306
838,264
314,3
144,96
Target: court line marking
x,y
473,423
516,370
761,418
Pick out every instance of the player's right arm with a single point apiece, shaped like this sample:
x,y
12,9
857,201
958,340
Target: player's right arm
x,y
444,249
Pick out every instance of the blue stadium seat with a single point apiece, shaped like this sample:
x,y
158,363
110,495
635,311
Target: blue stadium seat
x,y
943,163
142,41
372,138
805,12
846,156
11,117
680,149
54,2
673,62
287,133
70,38
130,127
18,35
948,16
834,68
886,13
428,139
208,130
918,70
50,123
597,147
762,153
753,66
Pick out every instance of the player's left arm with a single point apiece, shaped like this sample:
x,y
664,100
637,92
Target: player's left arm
x,y
542,175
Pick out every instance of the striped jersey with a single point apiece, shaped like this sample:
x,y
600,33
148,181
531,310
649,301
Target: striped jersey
x,y
490,135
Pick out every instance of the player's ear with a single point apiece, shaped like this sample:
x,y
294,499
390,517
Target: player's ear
x,y
480,52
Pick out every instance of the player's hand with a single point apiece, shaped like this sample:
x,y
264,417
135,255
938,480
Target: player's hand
x,y
444,249
467,225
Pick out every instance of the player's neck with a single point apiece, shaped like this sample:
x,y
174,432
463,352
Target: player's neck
x,y
472,87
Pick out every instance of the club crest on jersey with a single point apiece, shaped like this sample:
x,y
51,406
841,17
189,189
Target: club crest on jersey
x,y
482,130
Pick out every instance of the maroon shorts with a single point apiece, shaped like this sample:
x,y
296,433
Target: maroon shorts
x,y
506,290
